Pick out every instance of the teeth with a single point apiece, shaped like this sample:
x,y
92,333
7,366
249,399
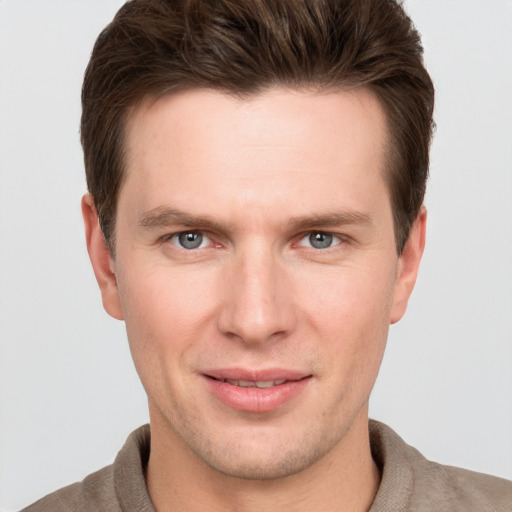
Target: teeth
x,y
255,384
265,384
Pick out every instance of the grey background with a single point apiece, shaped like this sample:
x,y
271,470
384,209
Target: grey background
x,y
68,392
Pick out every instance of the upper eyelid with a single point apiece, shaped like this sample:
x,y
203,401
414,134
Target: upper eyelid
x,y
218,239
175,234
323,232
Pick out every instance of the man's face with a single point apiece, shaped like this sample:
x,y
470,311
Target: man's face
x,y
256,271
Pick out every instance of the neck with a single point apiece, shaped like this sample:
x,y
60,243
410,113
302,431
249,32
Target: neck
x,y
345,479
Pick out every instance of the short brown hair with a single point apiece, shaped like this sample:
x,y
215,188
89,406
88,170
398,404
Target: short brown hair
x,y
153,47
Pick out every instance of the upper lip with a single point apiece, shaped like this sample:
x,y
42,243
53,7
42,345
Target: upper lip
x,y
253,375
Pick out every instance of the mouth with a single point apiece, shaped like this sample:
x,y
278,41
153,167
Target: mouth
x,y
260,384
256,392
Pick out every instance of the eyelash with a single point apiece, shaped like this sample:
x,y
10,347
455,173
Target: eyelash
x,y
174,238
335,239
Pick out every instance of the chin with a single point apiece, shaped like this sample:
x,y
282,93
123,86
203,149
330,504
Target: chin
x,y
263,458
269,468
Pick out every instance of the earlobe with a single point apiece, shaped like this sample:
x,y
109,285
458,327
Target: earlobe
x,y
409,266
101,259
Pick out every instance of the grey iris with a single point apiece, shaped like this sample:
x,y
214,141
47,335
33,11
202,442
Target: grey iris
x,y
320,240
190,240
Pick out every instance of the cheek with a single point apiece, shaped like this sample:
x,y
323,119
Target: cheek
x,y
350,310
166,313
164,297
352,298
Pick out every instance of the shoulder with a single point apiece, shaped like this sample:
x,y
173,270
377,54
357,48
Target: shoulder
x,y
459,489
115,488
413,483
96,492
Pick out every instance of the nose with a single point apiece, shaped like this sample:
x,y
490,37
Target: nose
x,y
258,298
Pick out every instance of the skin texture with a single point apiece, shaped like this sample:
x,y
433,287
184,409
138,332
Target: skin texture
x,y
256,178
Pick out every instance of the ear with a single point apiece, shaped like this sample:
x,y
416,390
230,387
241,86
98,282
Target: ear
x,y
101,259
408,266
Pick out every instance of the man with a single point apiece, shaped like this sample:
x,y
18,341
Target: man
x,y
256,175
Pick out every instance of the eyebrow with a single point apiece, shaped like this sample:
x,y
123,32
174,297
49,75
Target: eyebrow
x,y
332,219
162,216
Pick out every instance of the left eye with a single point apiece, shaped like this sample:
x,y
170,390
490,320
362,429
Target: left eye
x,y
190,240
320,240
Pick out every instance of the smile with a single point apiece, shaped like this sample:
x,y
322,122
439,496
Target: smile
x,y
261,384
255,393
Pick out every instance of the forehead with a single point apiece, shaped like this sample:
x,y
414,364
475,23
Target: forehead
x,y
194,111
280,145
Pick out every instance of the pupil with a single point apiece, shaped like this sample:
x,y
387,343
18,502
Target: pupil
x,y
190,240
320,240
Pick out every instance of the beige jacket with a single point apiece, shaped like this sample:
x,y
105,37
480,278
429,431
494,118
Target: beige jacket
x,y
410,483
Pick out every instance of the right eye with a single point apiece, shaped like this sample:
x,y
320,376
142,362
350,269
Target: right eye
x,y
190,240
320,240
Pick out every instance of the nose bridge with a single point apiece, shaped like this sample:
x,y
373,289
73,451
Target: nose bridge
x,y
257,305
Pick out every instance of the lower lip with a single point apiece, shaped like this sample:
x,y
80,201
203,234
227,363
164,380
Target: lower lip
x,y
256,399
